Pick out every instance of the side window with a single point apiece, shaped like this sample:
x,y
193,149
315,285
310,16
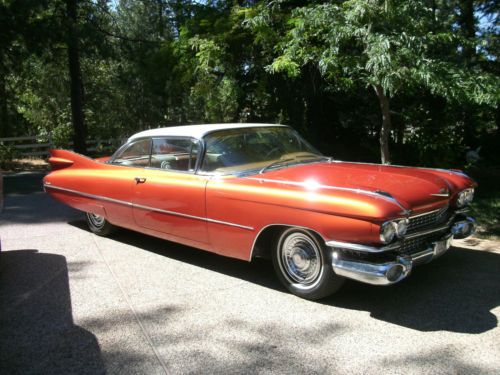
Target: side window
x,y
135,155
177,154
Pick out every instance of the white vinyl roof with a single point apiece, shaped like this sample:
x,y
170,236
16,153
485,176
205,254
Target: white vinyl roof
x,y
195,131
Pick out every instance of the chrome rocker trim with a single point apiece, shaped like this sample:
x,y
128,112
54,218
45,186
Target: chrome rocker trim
x,y
142,207
394,271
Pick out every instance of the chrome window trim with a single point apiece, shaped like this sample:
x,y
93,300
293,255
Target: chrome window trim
x,y
198,156
200,153
249,171
124,147
168,170
142,207
265,126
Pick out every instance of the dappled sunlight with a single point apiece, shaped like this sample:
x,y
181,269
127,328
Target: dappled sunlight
x,y
438,296
225,344
424,360
140,304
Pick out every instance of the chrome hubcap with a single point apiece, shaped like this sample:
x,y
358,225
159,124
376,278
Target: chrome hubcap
x,y
96,220
300,258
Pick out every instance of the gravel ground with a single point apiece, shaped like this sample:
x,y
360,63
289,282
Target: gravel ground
x,y
72,302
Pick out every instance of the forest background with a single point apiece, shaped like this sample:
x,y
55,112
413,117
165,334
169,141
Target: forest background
x,y
408,82
393,81
412,82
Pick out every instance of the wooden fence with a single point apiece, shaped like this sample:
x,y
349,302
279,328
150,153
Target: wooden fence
x,y
28,146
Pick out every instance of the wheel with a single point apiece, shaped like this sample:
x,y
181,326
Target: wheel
x,y
99,225
303,266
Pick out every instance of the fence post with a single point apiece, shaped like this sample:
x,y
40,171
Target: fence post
x,y
51,145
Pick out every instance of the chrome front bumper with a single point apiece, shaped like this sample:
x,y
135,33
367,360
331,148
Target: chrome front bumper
x,y
391,272
373,273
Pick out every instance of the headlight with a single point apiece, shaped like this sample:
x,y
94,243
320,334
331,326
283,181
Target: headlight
x,y
465,197
391,229
388,231
469,196
402,227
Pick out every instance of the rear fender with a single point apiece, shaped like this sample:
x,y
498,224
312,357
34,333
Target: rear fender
x,y
60,159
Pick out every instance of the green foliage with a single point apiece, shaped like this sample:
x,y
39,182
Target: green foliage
x,y
387,43
486,204
311,64
42,98
7,154
214,91
396,46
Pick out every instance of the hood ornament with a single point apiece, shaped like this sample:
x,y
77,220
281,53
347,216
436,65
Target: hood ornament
x,y
442,193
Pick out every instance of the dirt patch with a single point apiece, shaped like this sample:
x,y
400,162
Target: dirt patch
x,y
25,165
475,243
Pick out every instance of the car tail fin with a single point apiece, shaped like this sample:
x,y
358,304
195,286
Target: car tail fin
x,y
60,159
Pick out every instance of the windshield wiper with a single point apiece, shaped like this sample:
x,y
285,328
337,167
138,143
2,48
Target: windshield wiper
x,y
314,157
309,157
274,163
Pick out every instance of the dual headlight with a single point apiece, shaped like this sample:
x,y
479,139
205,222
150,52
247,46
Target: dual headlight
x,y
397,228
391,229
465,197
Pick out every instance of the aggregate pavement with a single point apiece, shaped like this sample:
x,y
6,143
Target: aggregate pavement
x,y
73,302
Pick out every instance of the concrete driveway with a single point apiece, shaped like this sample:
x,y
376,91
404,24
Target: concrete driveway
x,y
72,302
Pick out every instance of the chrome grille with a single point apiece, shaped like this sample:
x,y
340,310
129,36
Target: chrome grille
x,y
417,244
428,219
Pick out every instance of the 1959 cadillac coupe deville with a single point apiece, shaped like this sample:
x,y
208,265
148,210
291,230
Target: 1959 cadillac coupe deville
x,y
257,190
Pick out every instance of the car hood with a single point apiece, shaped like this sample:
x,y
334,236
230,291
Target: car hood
x,y
414,188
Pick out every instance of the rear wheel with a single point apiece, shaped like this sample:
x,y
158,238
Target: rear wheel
x,y
99,225
304,266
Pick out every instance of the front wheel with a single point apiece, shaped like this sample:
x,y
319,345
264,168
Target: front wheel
x,y
303,266
99,225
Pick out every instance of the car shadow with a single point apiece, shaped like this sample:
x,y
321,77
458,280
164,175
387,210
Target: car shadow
x,y
36,323
455,293
259,271
26,203
23,182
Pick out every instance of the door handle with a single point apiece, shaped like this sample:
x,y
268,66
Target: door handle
x,y
140,180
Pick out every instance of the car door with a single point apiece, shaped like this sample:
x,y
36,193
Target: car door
x,y
117,182
169,197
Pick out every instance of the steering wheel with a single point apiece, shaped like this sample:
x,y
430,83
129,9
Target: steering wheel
x,y
272,151
165,164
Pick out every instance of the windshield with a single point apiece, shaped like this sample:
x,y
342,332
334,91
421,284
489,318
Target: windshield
x,y
248,149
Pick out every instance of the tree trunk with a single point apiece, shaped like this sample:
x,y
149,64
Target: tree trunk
x,y
4,114
468,28
161,28
79,127
401,134
385,130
